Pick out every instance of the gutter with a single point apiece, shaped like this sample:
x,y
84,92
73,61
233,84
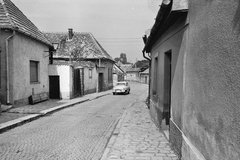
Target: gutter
x,y
7,66
165,9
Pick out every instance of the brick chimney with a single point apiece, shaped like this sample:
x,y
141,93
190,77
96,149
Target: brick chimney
x,y
70,33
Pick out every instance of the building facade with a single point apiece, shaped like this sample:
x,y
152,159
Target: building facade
x,y
24,65
82,47
194,48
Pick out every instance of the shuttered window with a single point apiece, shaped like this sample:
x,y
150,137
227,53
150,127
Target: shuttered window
x,y
34,65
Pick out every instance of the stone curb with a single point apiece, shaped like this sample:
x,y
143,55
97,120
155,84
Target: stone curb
x,y
20,121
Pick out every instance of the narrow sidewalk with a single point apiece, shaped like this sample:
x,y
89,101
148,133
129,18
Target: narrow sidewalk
x,y
137,138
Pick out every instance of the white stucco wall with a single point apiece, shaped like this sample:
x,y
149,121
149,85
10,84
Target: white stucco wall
x,y
65,74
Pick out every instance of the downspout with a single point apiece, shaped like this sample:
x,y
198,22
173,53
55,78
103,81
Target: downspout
x,y
7,66
149,80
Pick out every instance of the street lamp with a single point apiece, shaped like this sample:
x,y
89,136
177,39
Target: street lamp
x,y
55,46
51,50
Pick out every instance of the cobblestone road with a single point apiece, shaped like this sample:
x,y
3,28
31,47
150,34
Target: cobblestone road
x,y
80,132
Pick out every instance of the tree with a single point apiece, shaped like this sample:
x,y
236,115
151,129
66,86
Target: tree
x,y
123,58
142,64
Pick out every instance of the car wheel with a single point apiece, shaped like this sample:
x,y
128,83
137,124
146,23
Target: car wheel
x,y
129,91
114,93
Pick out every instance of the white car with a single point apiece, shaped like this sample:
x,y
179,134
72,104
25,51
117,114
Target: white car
x,y
121,87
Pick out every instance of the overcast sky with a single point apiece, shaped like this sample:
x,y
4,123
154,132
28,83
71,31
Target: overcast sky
x,y
117,24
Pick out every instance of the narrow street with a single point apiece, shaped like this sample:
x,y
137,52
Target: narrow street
x,y
78,132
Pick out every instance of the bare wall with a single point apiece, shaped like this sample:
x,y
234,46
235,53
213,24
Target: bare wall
x,y
212,96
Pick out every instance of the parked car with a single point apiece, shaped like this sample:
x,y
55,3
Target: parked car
x,y
121,87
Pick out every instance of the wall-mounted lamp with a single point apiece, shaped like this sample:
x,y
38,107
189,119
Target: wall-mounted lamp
x,y
55,46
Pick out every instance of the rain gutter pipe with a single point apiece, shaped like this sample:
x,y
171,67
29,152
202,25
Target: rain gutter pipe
x,y
7,65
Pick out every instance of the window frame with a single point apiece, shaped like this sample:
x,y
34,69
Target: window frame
x,y
34,78
155,83
90,73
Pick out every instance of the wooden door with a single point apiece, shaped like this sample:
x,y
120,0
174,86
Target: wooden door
x,y
54,87
100,82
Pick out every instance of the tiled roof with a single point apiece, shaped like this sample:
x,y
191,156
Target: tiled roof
x,y
145,71
82,45
75,64
133,70
117,69
124,67
12,18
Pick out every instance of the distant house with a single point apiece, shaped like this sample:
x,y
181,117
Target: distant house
x,y
118,74
24,60
80,47
144,76
132,74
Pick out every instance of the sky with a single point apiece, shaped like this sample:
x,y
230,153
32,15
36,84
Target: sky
x,y
118,25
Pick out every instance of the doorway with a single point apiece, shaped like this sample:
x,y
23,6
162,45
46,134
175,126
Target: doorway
x,y
100,82
54,87
167,86
76,83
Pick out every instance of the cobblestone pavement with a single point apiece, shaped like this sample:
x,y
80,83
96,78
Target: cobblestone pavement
x,y
137,138
11,113
76,133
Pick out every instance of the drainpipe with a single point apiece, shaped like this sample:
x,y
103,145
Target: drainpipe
x,y
7,66
149,80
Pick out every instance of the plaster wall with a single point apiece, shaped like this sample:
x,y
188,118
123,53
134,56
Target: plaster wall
x,y
106,64
65,75
90,84
212,91
133,76
22,49
173,40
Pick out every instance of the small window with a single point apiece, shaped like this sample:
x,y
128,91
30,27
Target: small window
x,y
110,74
90,73
155,77
34,70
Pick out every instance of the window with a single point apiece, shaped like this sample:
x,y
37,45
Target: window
x,y
110,74
90,73
34,67
154,89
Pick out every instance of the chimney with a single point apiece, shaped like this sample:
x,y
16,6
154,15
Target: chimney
x,y
70,33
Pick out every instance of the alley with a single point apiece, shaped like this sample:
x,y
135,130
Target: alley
x,y
78,132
